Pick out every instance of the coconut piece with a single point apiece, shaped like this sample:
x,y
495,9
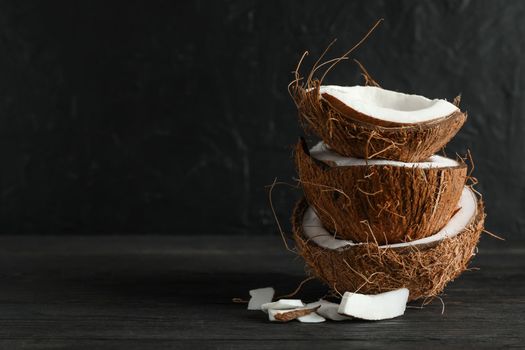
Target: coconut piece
x,y
313,228
259,297
371,269
379,201
362,136
282,304
379,106
289,315
272,313
328,310
311,318
375,307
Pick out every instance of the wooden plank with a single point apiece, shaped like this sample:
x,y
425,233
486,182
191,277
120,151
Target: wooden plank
x,y
175,292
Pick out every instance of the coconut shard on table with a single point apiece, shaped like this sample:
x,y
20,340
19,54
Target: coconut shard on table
x,y
381,210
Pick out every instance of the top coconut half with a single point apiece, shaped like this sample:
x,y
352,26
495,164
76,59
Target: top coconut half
x,y
370,122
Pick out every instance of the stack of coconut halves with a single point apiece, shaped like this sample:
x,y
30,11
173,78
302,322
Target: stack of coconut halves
x,y
381,210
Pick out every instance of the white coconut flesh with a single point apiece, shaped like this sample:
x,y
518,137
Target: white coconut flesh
x,y
311,318
323,153
260,296
314,230
390,105
282,304
375,307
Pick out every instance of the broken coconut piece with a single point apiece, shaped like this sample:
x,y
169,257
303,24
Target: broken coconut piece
x,y
282,304
289,315
375,307
259,297
379,201
311,318
328,310
424,267
402,127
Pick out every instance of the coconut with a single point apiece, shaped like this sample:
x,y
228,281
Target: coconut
x,y
370,122
328,310
374,307
282,304
303,314
259,297
372,269
379,201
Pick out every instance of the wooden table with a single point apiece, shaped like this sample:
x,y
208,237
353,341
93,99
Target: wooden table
x,y
145,292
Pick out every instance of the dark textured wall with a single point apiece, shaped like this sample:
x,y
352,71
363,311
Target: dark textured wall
x,y
172,116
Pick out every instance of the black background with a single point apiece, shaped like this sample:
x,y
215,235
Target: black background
x,y
172,116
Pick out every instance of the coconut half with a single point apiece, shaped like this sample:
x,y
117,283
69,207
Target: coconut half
x,y
368,268
379,201
371,122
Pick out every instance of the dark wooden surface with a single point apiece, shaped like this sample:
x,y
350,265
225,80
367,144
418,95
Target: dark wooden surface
x,y
148,292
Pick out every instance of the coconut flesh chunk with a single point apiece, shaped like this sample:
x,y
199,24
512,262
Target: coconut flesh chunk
x,y
311,318
328,310
282,304
375,307
259,297
387,105
314,230
323,153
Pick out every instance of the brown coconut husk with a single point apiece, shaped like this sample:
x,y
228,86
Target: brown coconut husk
x,y
380,203
369,269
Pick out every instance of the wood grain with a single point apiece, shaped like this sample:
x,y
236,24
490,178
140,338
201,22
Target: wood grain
x,y
135,292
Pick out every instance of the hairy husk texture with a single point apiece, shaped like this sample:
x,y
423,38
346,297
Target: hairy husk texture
x,y
369,269
380,203
352,136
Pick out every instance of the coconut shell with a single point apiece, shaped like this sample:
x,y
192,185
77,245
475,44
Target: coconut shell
x,y
380,203
355,135
369,269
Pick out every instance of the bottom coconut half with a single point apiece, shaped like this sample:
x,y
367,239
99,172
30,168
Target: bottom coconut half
x,y
370,268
